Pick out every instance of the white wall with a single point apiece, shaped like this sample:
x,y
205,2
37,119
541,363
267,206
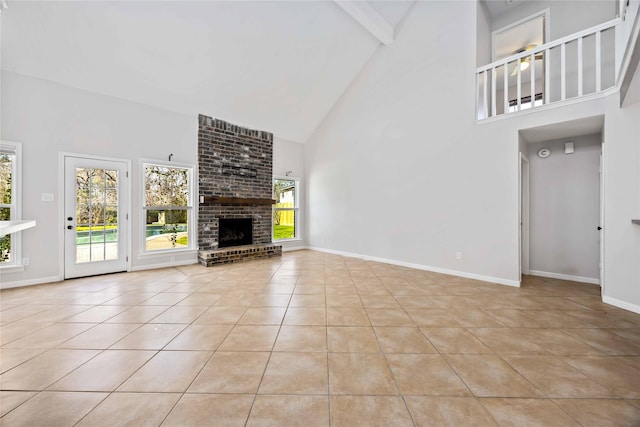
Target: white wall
x,y
567,16
289,156
49,118
395,171
483,45
565,209
622,203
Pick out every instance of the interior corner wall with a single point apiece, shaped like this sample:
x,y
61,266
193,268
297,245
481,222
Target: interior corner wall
x,y
621,150
397,171
49,118
565,209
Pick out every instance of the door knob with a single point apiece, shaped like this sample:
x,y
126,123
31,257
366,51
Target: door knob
x,y
69,227
599,228
69,218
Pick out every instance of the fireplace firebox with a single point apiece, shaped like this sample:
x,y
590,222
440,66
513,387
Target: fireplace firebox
x,y
235,232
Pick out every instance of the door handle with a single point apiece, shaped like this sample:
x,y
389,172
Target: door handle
x,y
69,227
69,218
599,228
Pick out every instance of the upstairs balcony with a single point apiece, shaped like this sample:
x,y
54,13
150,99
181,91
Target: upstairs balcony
x,y
573,68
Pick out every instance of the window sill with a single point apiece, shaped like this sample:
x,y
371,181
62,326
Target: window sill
x,y
296,239
13,268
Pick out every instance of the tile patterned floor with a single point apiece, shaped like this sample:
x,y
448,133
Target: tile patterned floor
x,y
315,339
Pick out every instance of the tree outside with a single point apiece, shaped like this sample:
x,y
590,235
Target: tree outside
x,y
6,184
166,201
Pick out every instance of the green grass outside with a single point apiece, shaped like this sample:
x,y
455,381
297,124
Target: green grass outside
x,y
283,232
95,227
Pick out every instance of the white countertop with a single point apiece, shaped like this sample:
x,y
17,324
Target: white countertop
x,y
8,227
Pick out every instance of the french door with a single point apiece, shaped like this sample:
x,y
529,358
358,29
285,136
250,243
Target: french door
x,y
95,216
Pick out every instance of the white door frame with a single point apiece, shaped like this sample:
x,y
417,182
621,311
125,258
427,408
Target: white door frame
x,y
546,13
62,156
523,214
602,215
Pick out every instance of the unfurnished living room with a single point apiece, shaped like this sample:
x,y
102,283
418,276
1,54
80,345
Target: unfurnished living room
x,y
320,213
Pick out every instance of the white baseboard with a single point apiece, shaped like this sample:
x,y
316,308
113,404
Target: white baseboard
x,y
31,282
590,280
621,304
163,265
498,280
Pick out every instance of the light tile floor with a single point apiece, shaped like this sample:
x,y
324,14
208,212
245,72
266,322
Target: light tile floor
x,y
315,339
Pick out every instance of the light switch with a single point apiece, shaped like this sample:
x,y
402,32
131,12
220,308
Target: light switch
x,y
46,197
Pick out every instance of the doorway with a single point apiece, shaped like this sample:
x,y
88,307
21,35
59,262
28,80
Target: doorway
x,y
561,201
524,215
96,206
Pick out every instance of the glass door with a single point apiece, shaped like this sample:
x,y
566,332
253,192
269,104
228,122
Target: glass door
x,y
95,219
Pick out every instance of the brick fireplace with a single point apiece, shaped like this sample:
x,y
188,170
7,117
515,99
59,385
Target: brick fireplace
x,y
235,168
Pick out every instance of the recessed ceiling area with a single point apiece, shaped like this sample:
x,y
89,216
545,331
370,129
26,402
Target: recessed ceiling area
x,y
276,66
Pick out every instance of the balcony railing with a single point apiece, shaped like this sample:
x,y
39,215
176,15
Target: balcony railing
x,y
581,64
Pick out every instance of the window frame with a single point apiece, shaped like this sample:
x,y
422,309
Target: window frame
x,y
15,208
295,209
190,208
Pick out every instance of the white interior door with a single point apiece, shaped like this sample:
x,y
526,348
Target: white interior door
x,y
95,216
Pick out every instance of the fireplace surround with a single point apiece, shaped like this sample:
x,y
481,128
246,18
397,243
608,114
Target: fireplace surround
x,y
235,167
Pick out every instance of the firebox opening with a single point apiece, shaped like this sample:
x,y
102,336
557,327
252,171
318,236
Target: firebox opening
x,y
235,232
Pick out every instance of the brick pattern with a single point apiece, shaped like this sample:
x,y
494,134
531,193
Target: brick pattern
x,y
237,254
233,161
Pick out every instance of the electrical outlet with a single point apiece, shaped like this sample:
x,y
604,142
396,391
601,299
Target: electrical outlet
x,y
458,255
26,261
46,197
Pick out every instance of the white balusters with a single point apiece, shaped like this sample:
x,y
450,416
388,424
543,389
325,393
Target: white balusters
x,y
547,76
580,61
532,58
494,79
598,61
552,70
563,71
484,96
506,88
518,86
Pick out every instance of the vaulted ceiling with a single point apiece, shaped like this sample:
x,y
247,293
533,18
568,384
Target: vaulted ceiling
x,y
277,66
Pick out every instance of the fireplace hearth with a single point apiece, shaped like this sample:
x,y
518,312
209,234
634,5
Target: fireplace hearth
x,y
235,232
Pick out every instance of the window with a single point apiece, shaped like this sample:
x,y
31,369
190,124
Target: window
x,y
285,211
10,158
168,206
525,103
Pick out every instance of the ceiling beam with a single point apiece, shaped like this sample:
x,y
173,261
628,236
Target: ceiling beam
x,y
369,18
